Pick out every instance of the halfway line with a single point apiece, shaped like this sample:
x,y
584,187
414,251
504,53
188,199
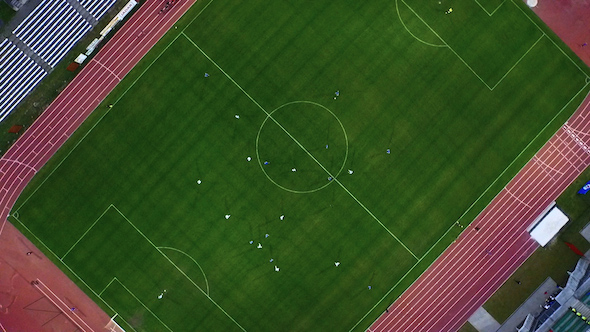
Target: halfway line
x,y
300,146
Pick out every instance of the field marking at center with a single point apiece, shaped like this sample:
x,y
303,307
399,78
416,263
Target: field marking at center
x,y
453,225
300,145
16,215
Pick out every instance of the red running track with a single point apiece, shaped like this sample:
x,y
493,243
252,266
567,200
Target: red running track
x,y
479,262
57,123
448,292
81,97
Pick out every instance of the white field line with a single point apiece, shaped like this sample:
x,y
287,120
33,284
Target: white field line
x,y
142,304
486,11
109,110
66,265
86,232
302,147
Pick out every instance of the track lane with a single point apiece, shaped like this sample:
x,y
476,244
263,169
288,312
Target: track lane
x,y
461,280
69,110
63,119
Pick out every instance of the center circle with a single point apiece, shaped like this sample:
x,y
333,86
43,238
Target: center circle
x,y
302,146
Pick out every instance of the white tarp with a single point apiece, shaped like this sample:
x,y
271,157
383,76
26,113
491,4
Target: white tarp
x,y
549,226
80,58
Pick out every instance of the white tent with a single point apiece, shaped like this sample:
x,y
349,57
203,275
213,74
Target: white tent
x,y
548,225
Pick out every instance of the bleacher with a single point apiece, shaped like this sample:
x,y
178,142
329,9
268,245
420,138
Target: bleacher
x,y
570,323
97,7
19,74
52,29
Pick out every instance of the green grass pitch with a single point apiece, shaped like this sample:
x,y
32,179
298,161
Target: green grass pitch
x,y
461,101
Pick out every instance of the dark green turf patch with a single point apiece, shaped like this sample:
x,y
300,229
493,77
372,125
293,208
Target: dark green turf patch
x,y
6,13
458,125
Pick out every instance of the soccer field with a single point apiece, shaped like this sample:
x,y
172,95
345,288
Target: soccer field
x,y
260,143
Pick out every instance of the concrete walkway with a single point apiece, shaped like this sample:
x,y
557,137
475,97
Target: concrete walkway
x,y
532,305
483,321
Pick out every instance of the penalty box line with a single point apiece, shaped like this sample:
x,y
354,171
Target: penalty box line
x,y
490,87
112,206
551,39
300,146
136,299
177,268
15,217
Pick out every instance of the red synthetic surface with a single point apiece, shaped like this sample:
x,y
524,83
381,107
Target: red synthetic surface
x,y
33,150
466,274
479,262
569,20
440,300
